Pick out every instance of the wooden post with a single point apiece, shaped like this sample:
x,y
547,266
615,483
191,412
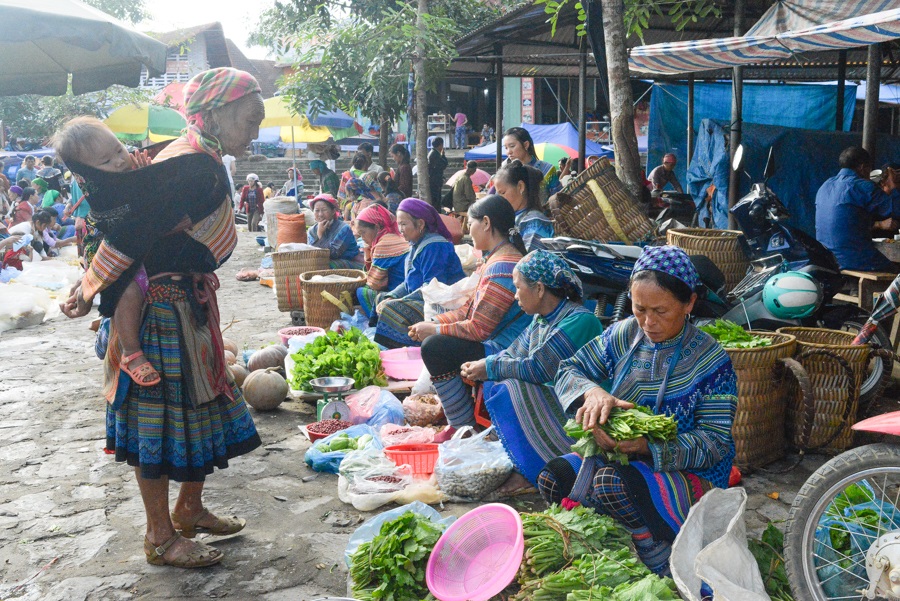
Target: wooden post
x,y
873,89
690,120
841,90
582,91
737,100
498,127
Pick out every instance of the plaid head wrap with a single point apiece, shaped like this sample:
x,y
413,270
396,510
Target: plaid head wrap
x,y
208,91
380,217
671,260
551,271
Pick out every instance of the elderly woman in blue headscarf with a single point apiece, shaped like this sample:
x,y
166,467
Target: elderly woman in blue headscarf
x,y
519,391
659,360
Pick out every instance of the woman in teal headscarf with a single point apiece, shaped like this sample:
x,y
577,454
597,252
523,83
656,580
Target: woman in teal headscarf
x,y
329,181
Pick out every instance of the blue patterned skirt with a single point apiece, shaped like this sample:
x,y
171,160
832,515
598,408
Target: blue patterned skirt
x,y
395,319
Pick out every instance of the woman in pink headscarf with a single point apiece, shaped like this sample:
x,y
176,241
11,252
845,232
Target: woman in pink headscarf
x,y
386,252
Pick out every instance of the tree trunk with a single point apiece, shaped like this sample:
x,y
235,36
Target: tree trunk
x,y
383,149
621,101
421,116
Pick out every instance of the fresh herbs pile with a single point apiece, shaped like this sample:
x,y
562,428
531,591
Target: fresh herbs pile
x,y
350,354
556,537
731,335
769,555
391,567
623,424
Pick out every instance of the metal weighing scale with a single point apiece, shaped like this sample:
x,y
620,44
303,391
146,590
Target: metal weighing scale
x,y
332,405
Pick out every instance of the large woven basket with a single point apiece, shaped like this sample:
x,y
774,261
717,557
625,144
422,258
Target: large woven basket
x,y
321,312
720,246
758,428
596,205
826,355
289,266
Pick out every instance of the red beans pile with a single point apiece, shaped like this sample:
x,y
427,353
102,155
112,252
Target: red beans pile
x,y
388,479
328,426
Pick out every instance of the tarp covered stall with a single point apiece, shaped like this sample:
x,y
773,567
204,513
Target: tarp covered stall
x,y
563,134
800,106
804,159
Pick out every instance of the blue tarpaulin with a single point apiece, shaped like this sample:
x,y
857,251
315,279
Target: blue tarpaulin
x,y
563,134
803,158
802,106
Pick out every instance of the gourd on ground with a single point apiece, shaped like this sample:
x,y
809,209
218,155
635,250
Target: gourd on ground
x,y
265,389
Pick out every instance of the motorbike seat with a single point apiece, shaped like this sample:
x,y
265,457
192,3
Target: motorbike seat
x,y
710,275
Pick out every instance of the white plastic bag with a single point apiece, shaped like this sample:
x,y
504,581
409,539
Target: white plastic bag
x,y
423,385
368,479
440,298
467,257
712,548
423,410
471,468
392,434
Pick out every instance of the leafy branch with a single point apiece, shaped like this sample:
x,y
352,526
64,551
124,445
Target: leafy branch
x,y
638,12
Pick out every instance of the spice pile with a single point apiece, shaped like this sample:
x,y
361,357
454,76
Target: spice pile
x,y
350,354
623,424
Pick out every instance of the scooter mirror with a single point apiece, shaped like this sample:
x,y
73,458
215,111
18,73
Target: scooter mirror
x,y
738,158
770,164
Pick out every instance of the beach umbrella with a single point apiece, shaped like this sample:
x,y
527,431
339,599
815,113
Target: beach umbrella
x,y
551,153
136,122
479,178
171,96
44,41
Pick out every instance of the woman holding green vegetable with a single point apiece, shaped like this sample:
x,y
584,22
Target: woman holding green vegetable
x,y
657,360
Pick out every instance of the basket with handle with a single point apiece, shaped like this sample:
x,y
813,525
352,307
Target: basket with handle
x,y
720,246
324,302
762,400
836,370
596,205
289,266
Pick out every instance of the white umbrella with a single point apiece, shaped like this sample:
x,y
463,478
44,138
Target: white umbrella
x,y
43,41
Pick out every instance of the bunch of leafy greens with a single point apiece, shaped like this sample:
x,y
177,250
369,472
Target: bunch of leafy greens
x,y
854,514
555,537
623,424
350,354
648,588
731,335
769,555
391,567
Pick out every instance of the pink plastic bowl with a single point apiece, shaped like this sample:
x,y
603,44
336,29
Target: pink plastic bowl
x,y
287,333
403,363
478,555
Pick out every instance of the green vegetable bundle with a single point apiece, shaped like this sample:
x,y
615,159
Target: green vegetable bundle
x,y
623,424
350,355
391,567
648,588
556,537
731,335
769,555
344,442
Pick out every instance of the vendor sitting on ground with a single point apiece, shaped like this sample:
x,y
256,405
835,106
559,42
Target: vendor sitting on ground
x,y
386,252
519,392
489,321
333,234
660,360
431,255
663,175
847,207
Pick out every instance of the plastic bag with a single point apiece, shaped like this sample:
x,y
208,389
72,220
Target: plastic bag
x,y
467,257
346,322
370,528
423,410
423,385
331,461
471,468
368,479
392,434
295,343
712,548
375,407
440,298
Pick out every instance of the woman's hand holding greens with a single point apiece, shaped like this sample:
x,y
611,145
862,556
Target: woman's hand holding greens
x,y
596,408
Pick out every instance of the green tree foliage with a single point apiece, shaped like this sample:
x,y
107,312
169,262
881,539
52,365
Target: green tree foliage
x,y
132,11
638,13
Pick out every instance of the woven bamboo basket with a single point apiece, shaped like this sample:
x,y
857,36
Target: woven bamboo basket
x,y
720,246
596,205
289,266
835,394
321,312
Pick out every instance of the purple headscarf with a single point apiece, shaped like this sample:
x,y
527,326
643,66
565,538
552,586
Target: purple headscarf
x,y
427,213
16,189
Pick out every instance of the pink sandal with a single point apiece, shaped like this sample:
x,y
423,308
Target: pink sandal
x,y
145,375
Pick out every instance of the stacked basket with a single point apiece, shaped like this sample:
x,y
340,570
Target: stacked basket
x,y
719,246
597,206
289,266
323,301
758,428
836,371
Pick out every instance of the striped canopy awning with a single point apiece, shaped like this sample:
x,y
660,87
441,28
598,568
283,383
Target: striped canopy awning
x,y
706,55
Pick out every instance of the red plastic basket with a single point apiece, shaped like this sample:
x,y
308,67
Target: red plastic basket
x,y
419,457
286,333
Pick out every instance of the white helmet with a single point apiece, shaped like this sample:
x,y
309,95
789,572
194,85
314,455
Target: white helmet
x,y
252,177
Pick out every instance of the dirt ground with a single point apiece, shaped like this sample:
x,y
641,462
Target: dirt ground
x,y
71,520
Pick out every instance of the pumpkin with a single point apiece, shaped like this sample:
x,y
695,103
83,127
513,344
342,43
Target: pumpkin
x,y
230,358
239,372
265,389
270,356
230,345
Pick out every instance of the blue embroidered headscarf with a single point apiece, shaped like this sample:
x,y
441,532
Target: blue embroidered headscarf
x,y
551,271
671,260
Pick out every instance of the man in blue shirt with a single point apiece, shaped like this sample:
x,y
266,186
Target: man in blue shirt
x,y
847,206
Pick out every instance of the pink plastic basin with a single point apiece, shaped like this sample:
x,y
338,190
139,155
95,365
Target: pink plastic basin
x,y
403,363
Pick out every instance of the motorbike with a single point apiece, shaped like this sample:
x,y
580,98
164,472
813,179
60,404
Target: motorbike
x,y
842,538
